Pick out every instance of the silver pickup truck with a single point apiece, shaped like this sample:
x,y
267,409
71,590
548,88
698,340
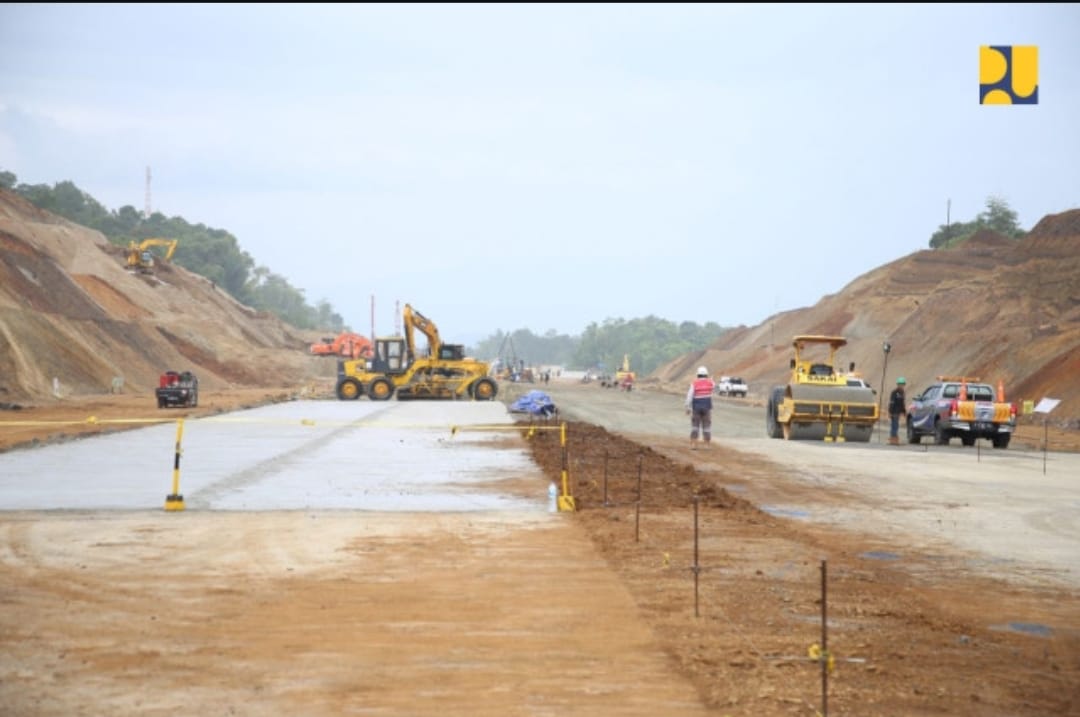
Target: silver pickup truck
x,y
963,408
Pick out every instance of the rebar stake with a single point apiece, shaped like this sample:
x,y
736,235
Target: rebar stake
x,y
696,569
606,504
824,647
637,504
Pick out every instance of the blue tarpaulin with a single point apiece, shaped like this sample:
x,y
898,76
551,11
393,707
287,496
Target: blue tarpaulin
x,y
535,402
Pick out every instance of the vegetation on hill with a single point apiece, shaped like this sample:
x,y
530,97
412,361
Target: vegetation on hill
x,y
997,217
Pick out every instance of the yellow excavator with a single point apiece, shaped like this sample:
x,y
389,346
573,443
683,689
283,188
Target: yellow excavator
x,y
818,402
624,374
141,259
442,372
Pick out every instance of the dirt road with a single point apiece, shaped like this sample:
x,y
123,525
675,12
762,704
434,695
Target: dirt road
x,y
1013,510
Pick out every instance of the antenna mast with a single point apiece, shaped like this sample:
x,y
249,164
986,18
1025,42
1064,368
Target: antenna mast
x,y
146,211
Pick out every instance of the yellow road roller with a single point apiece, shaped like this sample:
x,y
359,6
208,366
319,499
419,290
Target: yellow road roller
x,y
819,402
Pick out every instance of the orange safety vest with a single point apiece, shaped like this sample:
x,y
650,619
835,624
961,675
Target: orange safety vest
x,y
703,387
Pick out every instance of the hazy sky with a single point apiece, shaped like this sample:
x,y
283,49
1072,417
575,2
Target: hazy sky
x,y
546,166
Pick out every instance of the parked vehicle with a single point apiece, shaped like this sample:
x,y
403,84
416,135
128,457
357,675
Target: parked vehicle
x,y
731,386
177,389
960,406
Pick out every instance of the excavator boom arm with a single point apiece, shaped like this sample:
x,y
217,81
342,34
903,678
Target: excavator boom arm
x,y
135,251
415,321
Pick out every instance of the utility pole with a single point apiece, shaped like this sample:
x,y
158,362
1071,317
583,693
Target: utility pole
x,y
886,348
948,221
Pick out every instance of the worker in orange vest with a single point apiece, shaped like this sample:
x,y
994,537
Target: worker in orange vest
x,y
699,407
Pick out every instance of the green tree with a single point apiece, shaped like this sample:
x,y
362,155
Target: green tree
x,y
997,216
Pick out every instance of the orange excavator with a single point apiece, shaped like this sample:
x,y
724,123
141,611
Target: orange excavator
x,y
345,344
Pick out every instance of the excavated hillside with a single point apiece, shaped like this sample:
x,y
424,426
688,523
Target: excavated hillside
x,y
70,310
992,307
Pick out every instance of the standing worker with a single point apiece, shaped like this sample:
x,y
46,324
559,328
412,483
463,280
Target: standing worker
x,y
699,407
897,407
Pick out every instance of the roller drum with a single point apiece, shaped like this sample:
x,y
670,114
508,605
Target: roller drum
x,y
819,411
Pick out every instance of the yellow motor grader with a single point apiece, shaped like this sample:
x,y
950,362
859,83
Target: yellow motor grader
x,y
819,402
442,372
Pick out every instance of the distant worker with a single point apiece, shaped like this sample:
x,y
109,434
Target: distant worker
x,y
897,408
699,407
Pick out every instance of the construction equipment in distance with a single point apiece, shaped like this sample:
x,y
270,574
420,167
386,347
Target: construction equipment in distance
x,y
345,344
624,375
141,259
508,367
817,403
443,372
177,388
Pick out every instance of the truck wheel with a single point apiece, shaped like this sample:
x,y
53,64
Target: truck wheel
x,y
381,389
967,440
941,436
772,426
484,390
194,400
348,389
1001,440
913,436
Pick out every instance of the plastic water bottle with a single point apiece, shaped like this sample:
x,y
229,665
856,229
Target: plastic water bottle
x,y
553,494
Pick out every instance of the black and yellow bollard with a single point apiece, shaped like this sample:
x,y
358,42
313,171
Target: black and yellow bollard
x,y
566,501
175,501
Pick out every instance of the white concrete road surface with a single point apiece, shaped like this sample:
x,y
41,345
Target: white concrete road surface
x,y
357,455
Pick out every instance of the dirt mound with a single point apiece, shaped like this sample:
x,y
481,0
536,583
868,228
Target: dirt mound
x,y
70,311
1065,224
993,307
736,598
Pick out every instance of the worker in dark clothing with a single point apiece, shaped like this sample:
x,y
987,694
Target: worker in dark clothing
x,y
897,408
699,407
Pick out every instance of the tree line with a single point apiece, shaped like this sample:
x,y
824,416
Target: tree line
x,y
648,342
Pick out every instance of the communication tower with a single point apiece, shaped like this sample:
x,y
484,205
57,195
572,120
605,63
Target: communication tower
x,y
146,211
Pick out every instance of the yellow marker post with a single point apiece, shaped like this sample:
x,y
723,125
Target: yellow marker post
x,y
566,501
175,501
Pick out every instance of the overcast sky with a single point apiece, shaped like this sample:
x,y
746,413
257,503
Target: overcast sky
x,y
546,166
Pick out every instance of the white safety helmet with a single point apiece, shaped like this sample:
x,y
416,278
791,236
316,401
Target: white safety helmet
x,y
702,371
